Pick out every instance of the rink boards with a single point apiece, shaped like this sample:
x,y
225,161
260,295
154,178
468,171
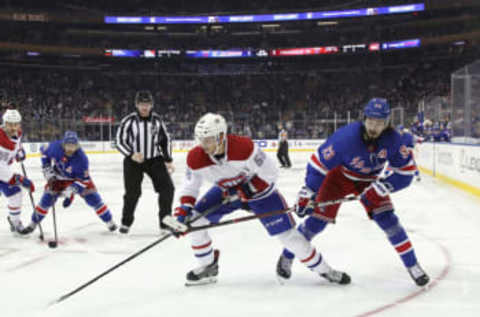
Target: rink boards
x,y
455,164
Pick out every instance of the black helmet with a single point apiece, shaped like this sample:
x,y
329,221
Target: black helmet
x,y
143,96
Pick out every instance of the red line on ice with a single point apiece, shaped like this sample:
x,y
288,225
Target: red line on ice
x,y
415,294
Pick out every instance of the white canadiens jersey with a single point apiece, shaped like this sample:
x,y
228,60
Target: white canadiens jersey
x,y
243,161
8,149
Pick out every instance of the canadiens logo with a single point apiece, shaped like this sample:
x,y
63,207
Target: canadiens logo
x,y
328,153
382,154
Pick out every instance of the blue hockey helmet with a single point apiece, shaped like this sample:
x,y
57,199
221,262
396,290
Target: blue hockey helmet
x,y
378,108
400,127
70,137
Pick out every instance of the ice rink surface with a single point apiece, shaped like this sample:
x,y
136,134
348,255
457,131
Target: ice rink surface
x,y
443,224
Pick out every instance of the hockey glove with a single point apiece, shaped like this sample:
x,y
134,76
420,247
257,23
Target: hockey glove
x,y
305,202
183,213
374,195
20,156
250,188
179,222
49,174
23,181
68,200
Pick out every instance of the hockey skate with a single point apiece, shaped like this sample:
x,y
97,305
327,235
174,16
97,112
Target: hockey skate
x,y
334,276
284,269
204,274
112,226
15,226
418,275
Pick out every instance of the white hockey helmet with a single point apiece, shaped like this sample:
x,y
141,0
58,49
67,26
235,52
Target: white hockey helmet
x,y
210,124
12,116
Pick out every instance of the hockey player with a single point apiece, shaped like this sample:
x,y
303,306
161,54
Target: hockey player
x,y
236,166
10,183
349,162
65,167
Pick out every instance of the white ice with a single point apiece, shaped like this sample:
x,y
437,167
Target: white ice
x,y
443,224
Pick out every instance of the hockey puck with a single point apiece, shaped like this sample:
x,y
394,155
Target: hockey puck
x,y
52,244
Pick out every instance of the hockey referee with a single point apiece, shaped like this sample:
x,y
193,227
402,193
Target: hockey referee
x,y
144,141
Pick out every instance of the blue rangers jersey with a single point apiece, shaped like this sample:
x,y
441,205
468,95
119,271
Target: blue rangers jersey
x,y
360,160
72,168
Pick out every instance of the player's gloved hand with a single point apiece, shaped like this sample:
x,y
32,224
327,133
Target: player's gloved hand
x,y
68,200
183,213
305,202
250,188
21,155
49,174
18,179
374,195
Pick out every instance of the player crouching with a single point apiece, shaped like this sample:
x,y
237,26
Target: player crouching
x,y
66,177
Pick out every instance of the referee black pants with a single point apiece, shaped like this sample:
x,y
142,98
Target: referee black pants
x,y
282,154
133,176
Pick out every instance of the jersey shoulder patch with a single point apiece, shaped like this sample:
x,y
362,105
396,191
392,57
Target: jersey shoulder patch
x,y
240,148
197,158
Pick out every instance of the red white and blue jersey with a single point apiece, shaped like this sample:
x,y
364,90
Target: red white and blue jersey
x,y
362,161
8,150
68,168
243,161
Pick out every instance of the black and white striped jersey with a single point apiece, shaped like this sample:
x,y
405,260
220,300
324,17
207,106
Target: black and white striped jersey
x,y
148,136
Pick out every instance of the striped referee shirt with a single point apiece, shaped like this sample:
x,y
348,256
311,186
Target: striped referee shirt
x,y
148,136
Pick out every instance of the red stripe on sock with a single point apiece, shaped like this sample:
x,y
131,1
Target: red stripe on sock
x,y
202,246
310,257
101,210
40,210
403,247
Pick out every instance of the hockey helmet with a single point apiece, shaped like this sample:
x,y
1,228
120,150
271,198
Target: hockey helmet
x,y
12,116
210,124
378,108
70,137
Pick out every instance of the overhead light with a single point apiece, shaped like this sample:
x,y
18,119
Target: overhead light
x,y
326,23
149,28
216,27
161,28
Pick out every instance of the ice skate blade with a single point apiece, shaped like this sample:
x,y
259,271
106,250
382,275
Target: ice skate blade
x,y
205,281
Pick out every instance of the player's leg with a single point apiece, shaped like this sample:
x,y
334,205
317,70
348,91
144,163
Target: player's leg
x,y
14,205
132,179
93,199
49,198
201,242
334,186
396,234
283,227
163,184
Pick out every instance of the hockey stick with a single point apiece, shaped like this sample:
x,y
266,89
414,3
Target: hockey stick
x,y
54,243
131,257
266,215
41,236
